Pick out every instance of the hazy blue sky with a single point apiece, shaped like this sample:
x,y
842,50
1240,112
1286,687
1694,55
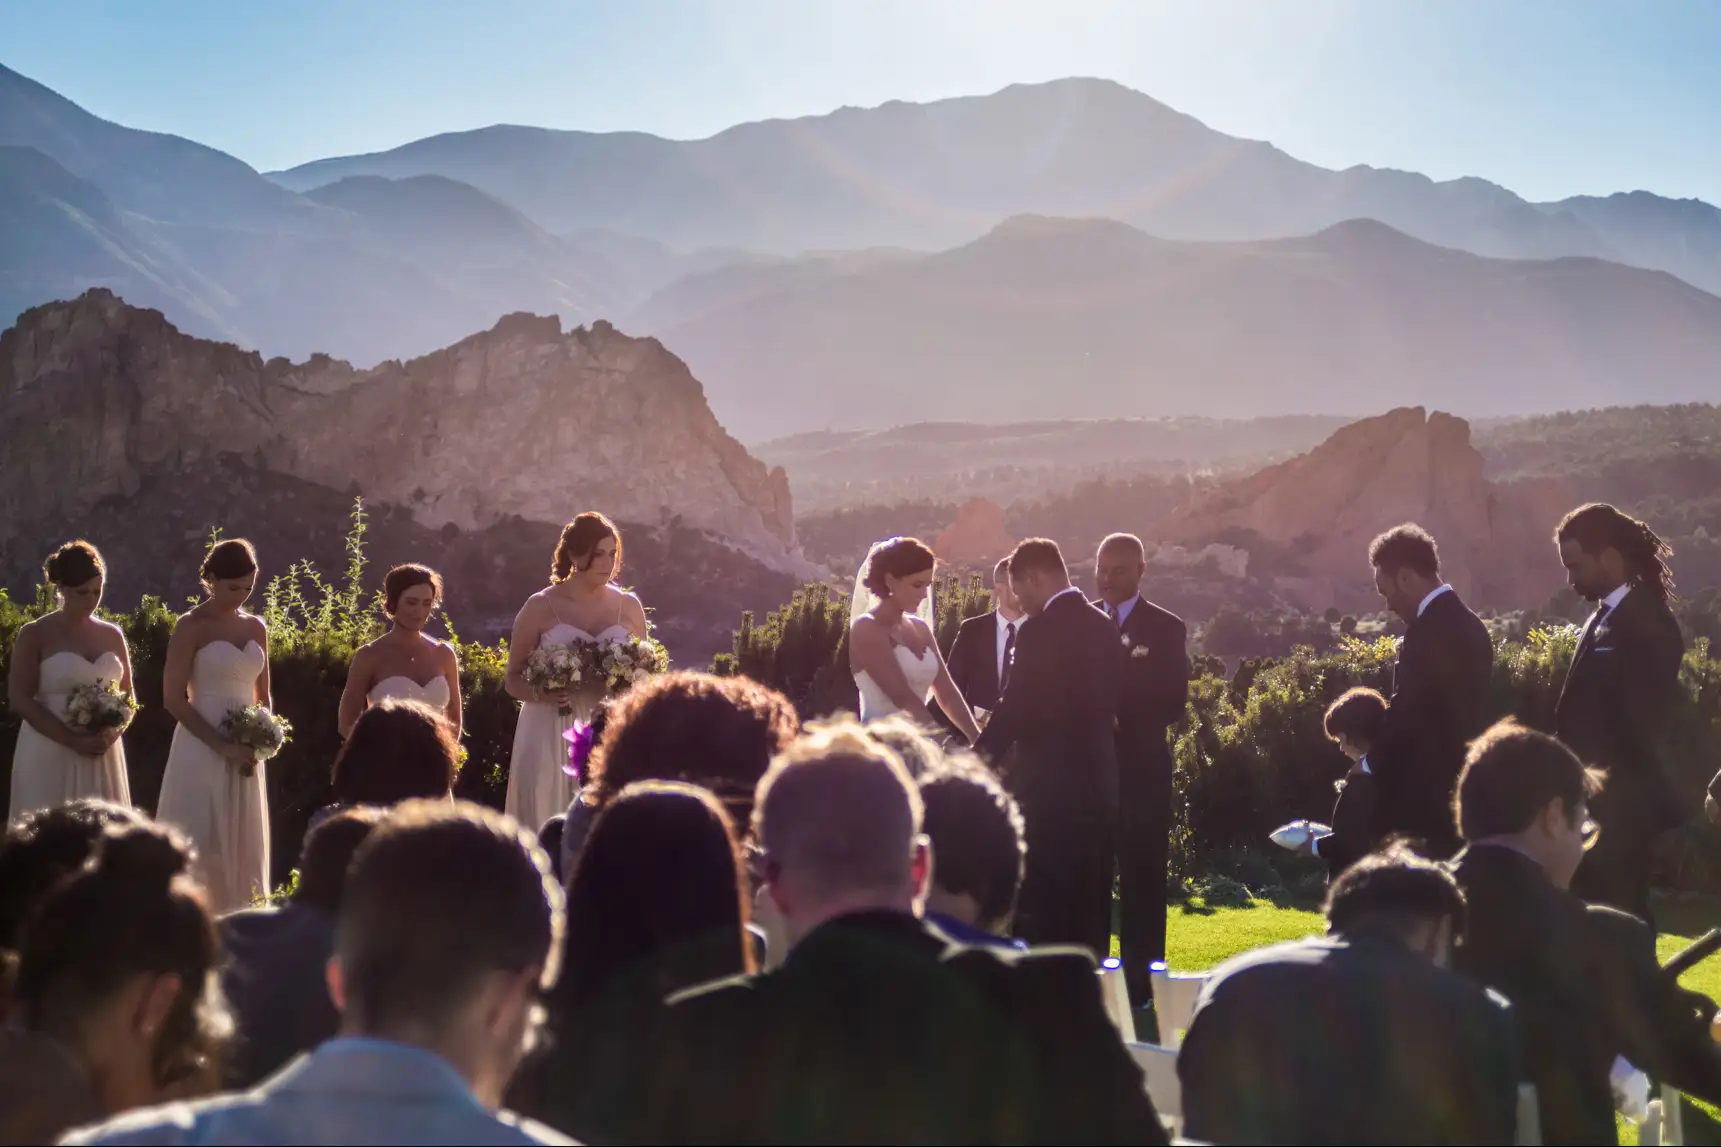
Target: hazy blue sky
x,y
1549,97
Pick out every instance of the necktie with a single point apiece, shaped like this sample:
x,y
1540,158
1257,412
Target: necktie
x,y
1601,613
1116,614
1009,651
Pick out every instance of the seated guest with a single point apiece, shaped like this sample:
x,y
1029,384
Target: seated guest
x,y
980,847
398,750
1352,724
1360,1036
876,1028
275,979
450,928
117,999
656,904
43,847
917,751
550,840
719,733
1583,979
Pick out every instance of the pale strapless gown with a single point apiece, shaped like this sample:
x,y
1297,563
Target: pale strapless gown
x,y
224,813
538,785
920,673
400,688
46,773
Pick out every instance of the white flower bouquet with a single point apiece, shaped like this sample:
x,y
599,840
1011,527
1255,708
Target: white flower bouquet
x,y
259,730
621,664
554,669
99,706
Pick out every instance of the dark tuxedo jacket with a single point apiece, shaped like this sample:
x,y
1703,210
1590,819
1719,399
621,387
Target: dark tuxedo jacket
x,y
1613,707
1060,708
1439,705
1356,823
973,660
1155,684
880,1029
1347,1039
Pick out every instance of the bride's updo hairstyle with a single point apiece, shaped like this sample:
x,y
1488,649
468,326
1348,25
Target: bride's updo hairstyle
x,y
899,557
580,538
402,578
73,564
132,910
233,558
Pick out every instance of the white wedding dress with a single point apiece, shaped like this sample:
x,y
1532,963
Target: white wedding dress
x,y
46,773
225,814
539,786
402,688
920,672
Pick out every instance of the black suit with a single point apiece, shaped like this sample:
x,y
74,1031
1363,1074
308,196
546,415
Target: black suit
x,y
1059,711
880,1029
1612,712
1439,705
1351,1039
1356,824
1155,695
973,660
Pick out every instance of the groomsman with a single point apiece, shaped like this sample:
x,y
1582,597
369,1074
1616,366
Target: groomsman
x,y
979,661
1612,708
1155,693
1439,691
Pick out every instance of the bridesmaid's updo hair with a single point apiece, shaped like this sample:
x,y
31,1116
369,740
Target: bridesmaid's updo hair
x,y
402,578
899,557
233,558
579,538
131,910
74,563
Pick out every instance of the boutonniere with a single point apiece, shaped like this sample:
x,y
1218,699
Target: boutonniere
x,y
1139,651
1339,785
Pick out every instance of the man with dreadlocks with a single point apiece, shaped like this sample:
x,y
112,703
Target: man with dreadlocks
x,y
1612,711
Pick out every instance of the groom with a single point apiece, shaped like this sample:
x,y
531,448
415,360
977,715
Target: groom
x,y
1059,711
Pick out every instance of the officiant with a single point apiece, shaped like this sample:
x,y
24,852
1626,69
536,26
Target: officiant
x,y
980,657
1155,693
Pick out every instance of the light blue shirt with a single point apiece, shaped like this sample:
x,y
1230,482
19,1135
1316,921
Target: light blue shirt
x,y
346,1091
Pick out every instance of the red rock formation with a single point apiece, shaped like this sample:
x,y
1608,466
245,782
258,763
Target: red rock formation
x,y
976,537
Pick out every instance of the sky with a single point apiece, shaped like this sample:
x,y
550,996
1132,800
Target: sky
x,y
1548,97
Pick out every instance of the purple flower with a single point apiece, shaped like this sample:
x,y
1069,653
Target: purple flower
x,y
580,738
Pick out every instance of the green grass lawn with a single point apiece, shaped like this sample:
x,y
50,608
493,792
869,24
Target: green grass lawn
x,y
1198,937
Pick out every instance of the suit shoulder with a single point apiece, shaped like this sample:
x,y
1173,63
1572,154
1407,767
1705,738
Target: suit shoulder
x,y
715,993
172,1123
978,621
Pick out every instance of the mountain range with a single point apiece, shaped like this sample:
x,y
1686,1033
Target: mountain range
x,y
1052,250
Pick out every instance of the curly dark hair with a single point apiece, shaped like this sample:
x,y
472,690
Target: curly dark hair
x,y
579,538
1405,547
74,564
399,749
899,557
718,732
979,841
1358,714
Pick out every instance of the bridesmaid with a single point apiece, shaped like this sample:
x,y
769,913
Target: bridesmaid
x,y
581,603
53,655
218,663
405,662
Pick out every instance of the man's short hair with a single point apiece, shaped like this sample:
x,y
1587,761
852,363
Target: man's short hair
x,y
1357,714
1001,570
1405,547
838,809
1124,542
1392,889
329,851
979,842
1510,774
440,896
1037,555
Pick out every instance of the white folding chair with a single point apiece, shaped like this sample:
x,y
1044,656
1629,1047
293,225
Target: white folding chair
x,y
1174,999
1529,1133
1114,991
1159,1066
1664,1126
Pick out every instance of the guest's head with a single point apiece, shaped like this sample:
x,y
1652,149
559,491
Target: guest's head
x,y
1603,549
550,840
1354,721
1002,595
1037,572
1118,568
838,821
589,550
398,749
917,751
410,595
716,732
1399,894
450,930
979,844
43,847
229,573
1524,789
78,574
900,572
118,965
328,856
656,894
1406,568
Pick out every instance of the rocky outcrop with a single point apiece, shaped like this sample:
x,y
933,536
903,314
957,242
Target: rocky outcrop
x,y
1307,522
977,536
522,420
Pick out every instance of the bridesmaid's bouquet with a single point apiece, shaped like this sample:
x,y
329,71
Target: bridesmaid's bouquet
x,y
259,730
554,669
625,662
99,706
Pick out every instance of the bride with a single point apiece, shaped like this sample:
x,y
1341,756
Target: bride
x,y
405,662
892,652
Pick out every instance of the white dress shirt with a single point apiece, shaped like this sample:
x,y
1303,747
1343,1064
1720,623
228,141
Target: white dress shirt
x,y
1429,600
1004,626
1120,613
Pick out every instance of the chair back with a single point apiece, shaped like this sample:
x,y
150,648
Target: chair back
x,y
1114,992
1529,1132
1174,998
1159,1069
